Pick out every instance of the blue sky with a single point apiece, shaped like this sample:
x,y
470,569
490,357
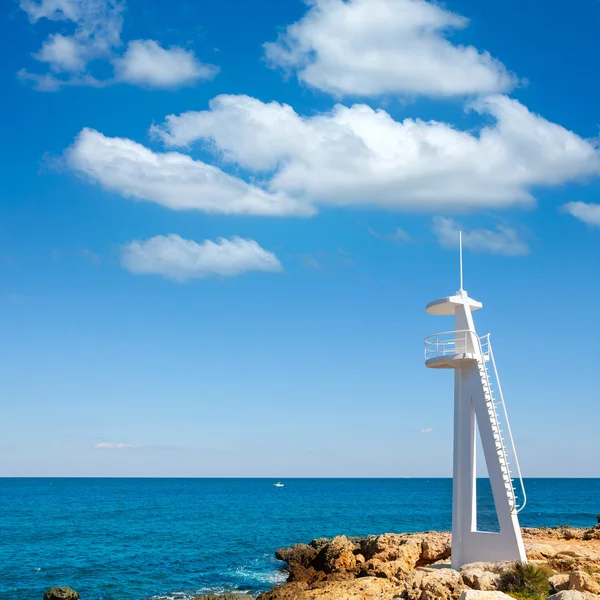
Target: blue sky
x,y
221,222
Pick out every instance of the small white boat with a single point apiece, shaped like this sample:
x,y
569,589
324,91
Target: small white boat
x,y
278,484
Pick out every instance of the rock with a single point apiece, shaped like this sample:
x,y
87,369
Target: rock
x,y
435,546
365,588
582,582
539,551
61,592
306,574
444,584
392,547
228,596
475,595
393,569
337,556
560,581
432,584
573,595
480,579
298,554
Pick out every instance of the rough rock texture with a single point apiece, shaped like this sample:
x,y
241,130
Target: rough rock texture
x,y
573,595
475,595
560,581
430,584
416,567
61,592
480,579
583,582
364,588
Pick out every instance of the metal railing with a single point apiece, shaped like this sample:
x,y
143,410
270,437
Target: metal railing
x,y
449,343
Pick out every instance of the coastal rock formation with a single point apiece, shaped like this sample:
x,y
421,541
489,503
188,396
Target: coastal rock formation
x,y
583,582
573,595
416,566
61,592
474,595
364,588
482,579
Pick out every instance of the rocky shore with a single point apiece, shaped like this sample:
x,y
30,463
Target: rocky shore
x,y
564,564
563,561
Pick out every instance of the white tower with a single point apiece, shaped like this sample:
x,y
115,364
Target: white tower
x,y
476,404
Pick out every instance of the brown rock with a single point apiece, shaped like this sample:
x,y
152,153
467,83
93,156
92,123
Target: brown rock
x,y
475,595
445,584
298,554
392,547
337,556
365,588
539,551
393,569
582,582
61,592
435,546
573,595
432,584
383,546
560,581
306,574
480,579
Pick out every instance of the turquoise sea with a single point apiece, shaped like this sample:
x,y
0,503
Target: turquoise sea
x,y
134,539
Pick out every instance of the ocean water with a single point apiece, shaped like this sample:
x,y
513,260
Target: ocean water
x,y
141,539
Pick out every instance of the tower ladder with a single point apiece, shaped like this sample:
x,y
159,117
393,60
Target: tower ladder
x,y
505,447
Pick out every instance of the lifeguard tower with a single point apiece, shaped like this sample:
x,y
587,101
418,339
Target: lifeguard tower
x,y
478,403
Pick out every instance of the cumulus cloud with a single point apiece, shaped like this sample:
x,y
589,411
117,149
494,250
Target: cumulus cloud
x,y
176,258
427,430
589,213
97,31
146,63
360,156
503,240
97,26
62,53
111,446
373,47
171,179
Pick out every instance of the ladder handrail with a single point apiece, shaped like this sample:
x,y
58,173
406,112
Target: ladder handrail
x,y
434,341
484,373
512,443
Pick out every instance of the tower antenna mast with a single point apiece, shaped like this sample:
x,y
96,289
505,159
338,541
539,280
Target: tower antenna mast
x,y
460,259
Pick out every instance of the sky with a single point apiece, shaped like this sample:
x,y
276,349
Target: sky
x,y
220,224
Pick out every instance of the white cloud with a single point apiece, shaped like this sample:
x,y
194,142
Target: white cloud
x,y
398,235
97,26
179,259
171,179
360,156
111,446
427,430
62,53
587,212
504,240
54,10
373,47
97,32
146,63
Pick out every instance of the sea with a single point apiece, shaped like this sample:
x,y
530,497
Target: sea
x,y
171,539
